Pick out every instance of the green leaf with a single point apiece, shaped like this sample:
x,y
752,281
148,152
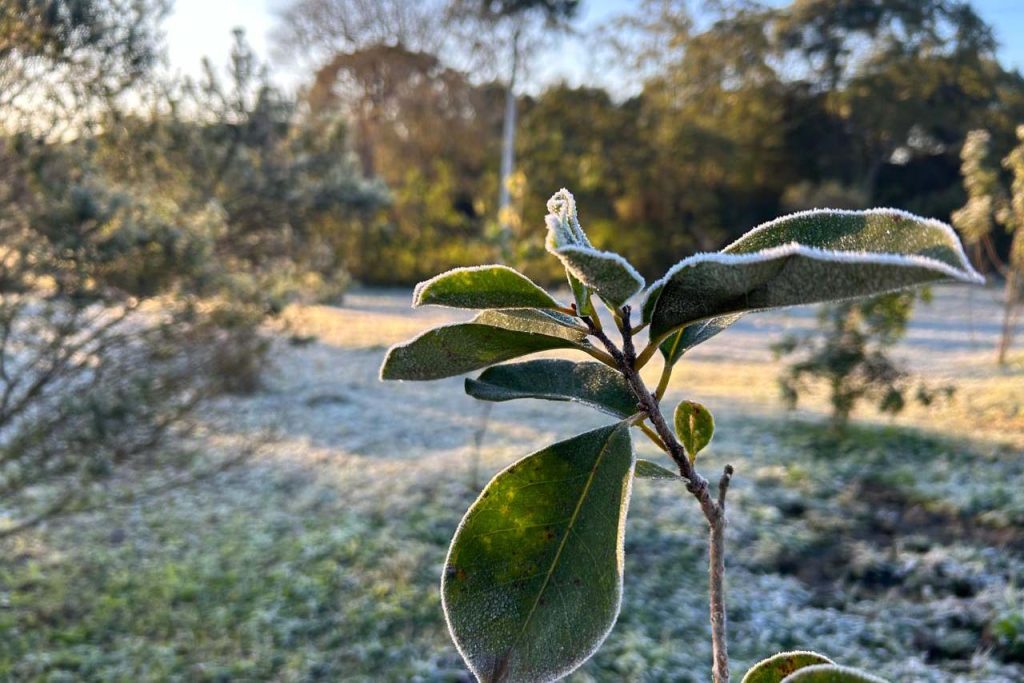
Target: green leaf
x,y
681,341
564,231
592,384
609,275
831,673
645,469
492,337
533,580
535,321
777,667
695,426
808,257
482,287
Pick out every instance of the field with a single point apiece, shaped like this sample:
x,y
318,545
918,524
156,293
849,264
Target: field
x,y
898,549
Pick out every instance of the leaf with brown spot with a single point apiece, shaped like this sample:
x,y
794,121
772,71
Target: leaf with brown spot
x,y
777,667
694,426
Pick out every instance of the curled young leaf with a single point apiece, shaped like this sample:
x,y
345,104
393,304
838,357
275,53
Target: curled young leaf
x,y
831,673
564,231
482,287
808,257
533,580
694,426
592,384
775,668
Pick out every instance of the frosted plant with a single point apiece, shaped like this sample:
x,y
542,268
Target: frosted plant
x,y
974,219
533,580
989,203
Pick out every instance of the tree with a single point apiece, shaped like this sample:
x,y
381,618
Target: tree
x,y
1012,218
513,19
419,125
143,247
88,386
990,204
317,30
61,61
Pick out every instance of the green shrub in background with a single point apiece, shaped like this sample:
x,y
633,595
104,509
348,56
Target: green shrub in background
x,y
849,354
990,204
533,579
148,228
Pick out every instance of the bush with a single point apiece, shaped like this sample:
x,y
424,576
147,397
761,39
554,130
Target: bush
x,y
849,354
142,254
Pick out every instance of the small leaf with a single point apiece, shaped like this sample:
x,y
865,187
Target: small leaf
x,y
592,384
777,667
645,469
564,231
563,223
492,337
533,580
609,275
685,339
831,673
482,287
695,426
808,257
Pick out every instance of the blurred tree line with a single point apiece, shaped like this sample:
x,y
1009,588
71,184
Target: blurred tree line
x,y
744,111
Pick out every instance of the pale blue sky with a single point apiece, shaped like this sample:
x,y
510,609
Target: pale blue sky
x,y
203,27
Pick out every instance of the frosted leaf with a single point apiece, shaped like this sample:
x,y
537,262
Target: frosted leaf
x,y
491,337
482,287
606,274
593,384
831,673
808,257
777,667
533,580
564,231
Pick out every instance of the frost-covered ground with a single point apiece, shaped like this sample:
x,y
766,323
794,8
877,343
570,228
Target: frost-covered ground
x,y
897,549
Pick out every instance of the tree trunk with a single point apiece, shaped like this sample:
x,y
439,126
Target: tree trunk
x,y
508,144
1009,316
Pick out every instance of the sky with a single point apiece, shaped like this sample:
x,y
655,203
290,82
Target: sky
x,y
198,28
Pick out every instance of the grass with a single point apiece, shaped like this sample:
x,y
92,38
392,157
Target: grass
x,y
273,574
897,548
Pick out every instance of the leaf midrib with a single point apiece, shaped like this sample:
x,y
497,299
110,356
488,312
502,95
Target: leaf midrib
x,y
565,537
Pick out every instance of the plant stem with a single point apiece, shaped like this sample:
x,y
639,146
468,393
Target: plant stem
x,y
666,376
714,511
653,436
716,584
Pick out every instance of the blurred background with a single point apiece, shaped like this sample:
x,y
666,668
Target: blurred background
x,y
211,219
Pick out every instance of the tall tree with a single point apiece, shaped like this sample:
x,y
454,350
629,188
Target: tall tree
x,y
314,31
510,23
